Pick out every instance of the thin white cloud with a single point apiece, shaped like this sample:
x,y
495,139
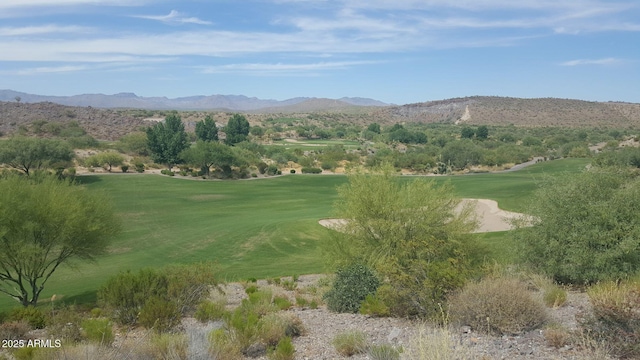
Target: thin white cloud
x,y
280,68
174,17
605,61
16,4
43,29
47,70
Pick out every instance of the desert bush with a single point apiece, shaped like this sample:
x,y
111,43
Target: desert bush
x,y
224,345
556,336
289,285
66,323
275,326
31,315
313,304
283,351
14,330
615,317
251,289
98,330
187,285
126,293
159,314
282,302
554,296
438,344
350,287
139,167
311,170
271,170
384,352
209,311
350,343
301,301
584,227
124,168
373,305
497,306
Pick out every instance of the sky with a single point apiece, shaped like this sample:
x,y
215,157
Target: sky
x,y
396,51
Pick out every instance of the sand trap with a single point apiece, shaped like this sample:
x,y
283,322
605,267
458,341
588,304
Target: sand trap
x,y
490,217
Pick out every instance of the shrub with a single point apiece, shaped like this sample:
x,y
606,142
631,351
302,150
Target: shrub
x,y
224,345
351,286
98,330
282,302
372,305
254,175
301,302
209,311
139,167
497,306
584,227
554,296
439,344
616,316
251,289
313,304
350,343
289,285
165,346
14,330
124,168
262,167
167,172
32,315
556,336
160,314
283,351
66,324
126,293
311,170
275,326
187,285
384,352
272,170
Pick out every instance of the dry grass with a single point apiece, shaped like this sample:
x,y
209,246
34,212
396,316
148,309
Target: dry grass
x,y
350,343
438,344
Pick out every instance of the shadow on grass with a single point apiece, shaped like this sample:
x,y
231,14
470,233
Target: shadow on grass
x,y
87,179
87,298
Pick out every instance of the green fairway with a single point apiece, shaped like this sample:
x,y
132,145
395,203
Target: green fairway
x,y
254,228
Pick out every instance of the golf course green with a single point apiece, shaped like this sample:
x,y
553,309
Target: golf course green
x,y
251,228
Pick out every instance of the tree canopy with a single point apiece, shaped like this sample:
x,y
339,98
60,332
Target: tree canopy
x,y
409,232
106,159
585,227
27,153
237,129
45,222
167,139
206,130
211,154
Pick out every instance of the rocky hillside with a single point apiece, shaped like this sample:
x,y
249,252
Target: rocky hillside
x,y
481,110
100,123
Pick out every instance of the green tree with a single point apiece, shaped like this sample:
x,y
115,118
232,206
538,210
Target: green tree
x,y
27,154
237,129
409,233
206,130
462,153
211,154
467,132
106,159
375,127
585,227
166,140
482,132
45,223
257,131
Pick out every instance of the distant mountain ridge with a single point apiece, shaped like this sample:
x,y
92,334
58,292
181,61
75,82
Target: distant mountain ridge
x,y
199,102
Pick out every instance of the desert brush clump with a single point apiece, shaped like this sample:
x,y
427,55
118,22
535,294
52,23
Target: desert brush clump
x,y
615,317
351,286
99,331
284,350
384,352
497,306
350,343
438,344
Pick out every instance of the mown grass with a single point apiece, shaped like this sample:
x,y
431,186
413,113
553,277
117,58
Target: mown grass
x,y
257,228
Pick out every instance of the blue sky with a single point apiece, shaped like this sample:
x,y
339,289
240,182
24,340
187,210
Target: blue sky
x,y
397,51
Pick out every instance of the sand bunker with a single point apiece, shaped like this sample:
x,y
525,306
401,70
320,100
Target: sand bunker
x,y
490,217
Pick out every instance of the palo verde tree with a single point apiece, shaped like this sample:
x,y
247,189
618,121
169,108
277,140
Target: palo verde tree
x,y
27,154
408,232
167,139
584,227
206,130
237,129
44,223
106,159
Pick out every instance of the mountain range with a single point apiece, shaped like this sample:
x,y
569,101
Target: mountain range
x,y
200,102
